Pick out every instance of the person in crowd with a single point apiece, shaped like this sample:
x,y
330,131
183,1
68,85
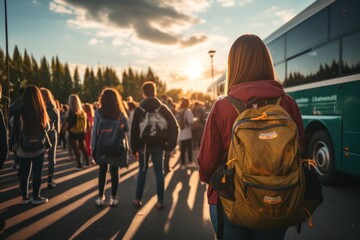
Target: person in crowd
x,y
54,122
167,153
111,108
186,115
250,75
76,125
171,105
198,124
30,119
14,105
144,149
62,134
131,109
4,149
88,108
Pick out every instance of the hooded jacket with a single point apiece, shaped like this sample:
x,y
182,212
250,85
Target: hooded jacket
x,y
217,133
150,104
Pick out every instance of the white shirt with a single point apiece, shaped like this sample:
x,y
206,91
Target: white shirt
x,y
185,133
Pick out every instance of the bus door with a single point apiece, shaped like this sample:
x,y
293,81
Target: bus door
x,y
351,128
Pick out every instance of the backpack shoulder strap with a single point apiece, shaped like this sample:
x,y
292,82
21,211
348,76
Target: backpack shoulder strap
x,y
239,105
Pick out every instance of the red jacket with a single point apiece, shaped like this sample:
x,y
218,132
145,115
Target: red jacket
x,y
217,133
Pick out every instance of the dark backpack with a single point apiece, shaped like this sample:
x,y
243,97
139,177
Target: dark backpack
x,y
153,126
110,139
33,142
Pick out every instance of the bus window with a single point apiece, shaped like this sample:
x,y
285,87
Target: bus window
x,y
308,34
351,53
344,17
277,49
313,66
280,72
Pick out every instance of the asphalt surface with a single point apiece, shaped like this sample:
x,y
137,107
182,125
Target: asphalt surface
x,y
72,214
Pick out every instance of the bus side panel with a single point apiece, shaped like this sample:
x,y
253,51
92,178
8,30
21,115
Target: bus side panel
x,y
351,127
323,105
331,125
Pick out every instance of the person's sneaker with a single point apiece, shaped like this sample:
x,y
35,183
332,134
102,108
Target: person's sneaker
x,y
26,200
136,203
78,167
51,184
39,200
160,205
114,201
100,201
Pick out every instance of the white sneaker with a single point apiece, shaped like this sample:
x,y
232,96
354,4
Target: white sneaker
x,y
114,201
100,201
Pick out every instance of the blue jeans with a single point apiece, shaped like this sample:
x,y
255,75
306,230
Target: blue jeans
x,y
52,152
233,231
156,154
27,165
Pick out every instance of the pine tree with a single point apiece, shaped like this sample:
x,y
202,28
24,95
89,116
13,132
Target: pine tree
x,y
58,80
16,72
27,69
68,84
44,74
35,73
77,83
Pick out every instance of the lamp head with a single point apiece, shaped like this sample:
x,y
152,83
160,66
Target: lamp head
x,y
212,53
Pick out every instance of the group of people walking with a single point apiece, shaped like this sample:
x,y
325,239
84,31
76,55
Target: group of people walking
x,y
150,130
38,116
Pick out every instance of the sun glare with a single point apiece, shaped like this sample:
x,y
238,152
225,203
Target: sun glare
x,y
193,70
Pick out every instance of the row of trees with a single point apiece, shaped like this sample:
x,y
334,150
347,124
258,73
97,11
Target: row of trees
x,y
57,77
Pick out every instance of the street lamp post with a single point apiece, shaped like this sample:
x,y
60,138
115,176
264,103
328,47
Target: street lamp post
x,y
211,54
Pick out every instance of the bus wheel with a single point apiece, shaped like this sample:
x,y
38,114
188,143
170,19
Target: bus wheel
x,y
321,149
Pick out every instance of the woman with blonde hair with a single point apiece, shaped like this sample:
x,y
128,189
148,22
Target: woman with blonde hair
x,y
54,121
111,113
31,122
77,126
250,77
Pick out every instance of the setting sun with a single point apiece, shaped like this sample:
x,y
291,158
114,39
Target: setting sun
x,y
193,70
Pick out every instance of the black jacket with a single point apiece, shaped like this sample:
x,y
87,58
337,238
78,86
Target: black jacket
x,y
150,104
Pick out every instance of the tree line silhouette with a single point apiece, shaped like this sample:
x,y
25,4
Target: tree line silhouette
x,y
57,77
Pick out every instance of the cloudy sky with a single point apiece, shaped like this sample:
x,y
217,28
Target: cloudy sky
x,y
173,37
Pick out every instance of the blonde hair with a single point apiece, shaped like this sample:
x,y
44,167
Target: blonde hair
x,y
249,60
75,104
48,96
88,108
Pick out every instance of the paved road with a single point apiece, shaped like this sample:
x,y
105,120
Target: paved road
x,y
71,213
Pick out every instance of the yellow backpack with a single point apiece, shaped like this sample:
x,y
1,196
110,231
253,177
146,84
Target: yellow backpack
x,y
262,184
81,125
